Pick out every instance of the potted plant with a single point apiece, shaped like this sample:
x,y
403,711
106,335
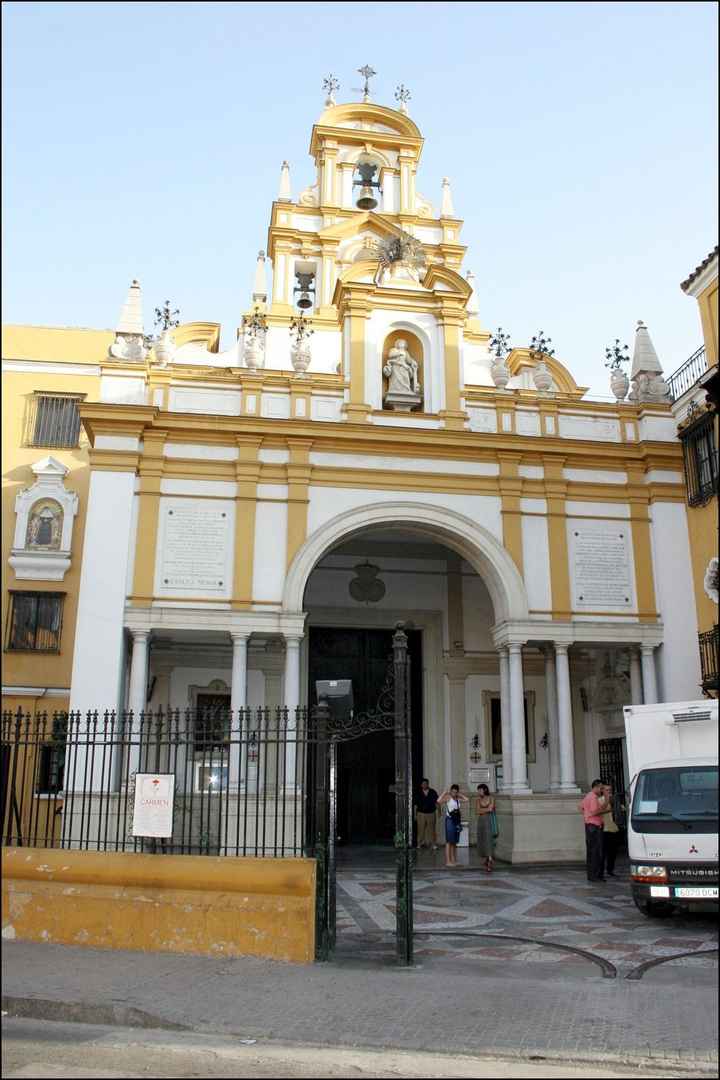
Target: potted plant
x,y
615,356
500,347
540,348
300,333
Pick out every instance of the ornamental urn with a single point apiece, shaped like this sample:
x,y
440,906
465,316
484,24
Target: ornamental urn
x,y
165,347
542,377
619,384
500,373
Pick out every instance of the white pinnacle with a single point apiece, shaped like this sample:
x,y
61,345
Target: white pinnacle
x,y
645,359
284,194
260,286
473,306
131,319
447,209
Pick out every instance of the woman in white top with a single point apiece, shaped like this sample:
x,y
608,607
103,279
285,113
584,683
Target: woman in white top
x,y
451,800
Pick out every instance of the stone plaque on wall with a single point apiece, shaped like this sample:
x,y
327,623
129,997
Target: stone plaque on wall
x,y
600,555
195,544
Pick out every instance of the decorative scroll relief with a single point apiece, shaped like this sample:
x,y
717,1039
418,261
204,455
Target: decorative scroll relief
x,y
601,564
589,427
195,547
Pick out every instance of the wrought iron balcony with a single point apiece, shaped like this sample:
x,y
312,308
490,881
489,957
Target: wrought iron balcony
x,y
688,373
709,645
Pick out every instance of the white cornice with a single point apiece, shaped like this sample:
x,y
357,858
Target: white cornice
x,y
704,278
49,368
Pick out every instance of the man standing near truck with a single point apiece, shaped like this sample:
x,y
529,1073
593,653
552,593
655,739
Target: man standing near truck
x,y
594,806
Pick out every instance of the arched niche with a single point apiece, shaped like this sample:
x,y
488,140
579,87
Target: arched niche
x,y
44,526
416,350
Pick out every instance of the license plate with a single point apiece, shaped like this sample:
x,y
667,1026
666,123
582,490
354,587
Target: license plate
x,y
698,892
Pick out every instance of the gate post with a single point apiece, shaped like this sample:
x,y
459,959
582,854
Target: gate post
x,y
324,887
403,801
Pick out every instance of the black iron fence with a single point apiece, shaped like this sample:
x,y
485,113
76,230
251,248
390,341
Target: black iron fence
x,y
238,781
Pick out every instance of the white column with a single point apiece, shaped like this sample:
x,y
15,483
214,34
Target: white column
x,y
636,694
292,701
517,722
565,721
551,704
648,674
137,697
238,700
505,724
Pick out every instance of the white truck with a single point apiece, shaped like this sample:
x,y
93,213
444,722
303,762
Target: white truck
x,y
672,828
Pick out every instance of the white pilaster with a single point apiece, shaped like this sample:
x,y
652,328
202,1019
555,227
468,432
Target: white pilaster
x,y
99,653
648,675
292,702
565,721
238,700
517,722
137,696
551,704
505,721
636,694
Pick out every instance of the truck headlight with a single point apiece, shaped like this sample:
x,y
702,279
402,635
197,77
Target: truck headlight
x,y
641,872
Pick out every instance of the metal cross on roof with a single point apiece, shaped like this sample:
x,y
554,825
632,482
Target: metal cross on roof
x,y
367,73
330,85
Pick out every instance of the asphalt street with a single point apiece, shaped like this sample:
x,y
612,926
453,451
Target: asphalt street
x,y
39,1049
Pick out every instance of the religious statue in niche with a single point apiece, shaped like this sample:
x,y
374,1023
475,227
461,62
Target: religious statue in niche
x,y
44,528
401,371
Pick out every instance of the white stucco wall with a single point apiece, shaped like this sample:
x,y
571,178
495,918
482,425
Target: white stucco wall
x,y
678,658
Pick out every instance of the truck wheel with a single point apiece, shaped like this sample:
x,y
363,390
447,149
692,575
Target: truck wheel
x,y
654,909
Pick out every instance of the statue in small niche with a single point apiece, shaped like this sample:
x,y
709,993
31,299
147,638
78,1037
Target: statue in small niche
x,y
401,371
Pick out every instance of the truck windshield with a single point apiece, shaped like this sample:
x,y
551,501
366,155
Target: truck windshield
x,y
682,799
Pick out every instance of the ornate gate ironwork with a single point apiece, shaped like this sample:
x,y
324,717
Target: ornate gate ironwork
x,y
392,713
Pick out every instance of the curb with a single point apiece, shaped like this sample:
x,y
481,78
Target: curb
x,y
684,1063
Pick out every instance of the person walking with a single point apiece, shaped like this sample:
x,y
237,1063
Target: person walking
x,y
425,814
484,807
611,833
594,808
450,800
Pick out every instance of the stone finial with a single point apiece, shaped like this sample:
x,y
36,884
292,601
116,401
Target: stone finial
x,y
284,195
645,359
129,343
446,208
260,287
473,306
648,383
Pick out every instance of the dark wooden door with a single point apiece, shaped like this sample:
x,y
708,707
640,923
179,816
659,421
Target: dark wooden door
x,y
366,766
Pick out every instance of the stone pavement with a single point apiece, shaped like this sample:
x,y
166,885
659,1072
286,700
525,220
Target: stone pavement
x,y
466,994
551,905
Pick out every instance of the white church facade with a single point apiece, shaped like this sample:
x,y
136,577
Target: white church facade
x,y
369,453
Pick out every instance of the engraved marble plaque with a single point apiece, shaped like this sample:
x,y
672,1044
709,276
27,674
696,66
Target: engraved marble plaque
x,y
602,572
195,541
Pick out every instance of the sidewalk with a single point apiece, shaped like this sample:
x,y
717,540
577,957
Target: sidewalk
x,y
566,1012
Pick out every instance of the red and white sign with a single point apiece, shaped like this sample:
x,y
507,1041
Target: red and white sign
x,y
153,809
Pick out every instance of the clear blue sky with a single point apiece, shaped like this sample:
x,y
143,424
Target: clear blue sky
x,y
145,140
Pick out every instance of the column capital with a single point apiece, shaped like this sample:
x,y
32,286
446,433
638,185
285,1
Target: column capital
x,y
648,650
140,637
561,648
292,641
239,637
514,647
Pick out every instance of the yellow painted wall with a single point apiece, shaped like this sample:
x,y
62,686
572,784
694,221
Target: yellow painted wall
x,y
161,903
49,346
703,529
708,304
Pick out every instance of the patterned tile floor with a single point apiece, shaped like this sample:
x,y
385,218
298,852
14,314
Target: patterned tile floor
x,y
553,905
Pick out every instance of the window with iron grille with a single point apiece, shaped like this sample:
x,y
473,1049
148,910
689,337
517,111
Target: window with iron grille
x,y
51,764
701,459
35,622
53,419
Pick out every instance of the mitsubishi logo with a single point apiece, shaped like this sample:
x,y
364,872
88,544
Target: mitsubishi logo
x,y
693,850
156,782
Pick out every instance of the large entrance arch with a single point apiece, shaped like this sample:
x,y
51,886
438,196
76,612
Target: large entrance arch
x,y
472,541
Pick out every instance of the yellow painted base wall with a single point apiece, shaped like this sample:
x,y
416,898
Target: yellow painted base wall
x,y
703,529
161,903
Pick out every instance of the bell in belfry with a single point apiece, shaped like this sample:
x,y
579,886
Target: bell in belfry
x,y
366,199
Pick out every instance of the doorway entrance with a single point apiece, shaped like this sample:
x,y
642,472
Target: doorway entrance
x,y
366,765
